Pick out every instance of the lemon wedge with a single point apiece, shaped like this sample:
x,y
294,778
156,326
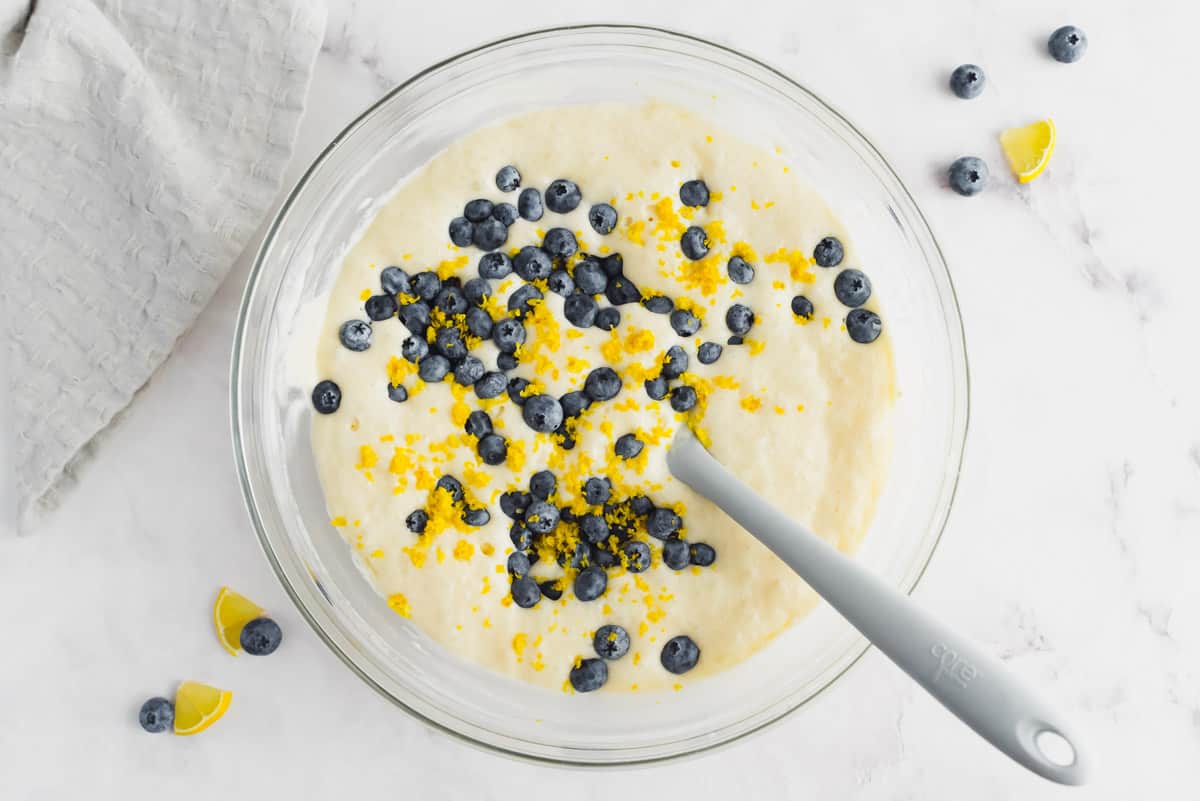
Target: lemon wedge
x,y
198,706
231,612
1029,149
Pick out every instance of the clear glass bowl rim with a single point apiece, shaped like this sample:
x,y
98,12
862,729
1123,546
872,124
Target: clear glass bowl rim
x,y
940,274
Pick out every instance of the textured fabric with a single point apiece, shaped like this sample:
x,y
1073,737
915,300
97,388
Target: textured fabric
x,y
141,144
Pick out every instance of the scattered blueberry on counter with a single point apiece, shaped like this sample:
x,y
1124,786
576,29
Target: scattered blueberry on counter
x,y
680,654
157,715
968,175
261,636
967,81
1067,44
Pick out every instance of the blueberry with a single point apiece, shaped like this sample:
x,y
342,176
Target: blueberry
x,y
490,234
478,210
522,537
574,402
355,335
562,196
462,231
560,243
506,361
541,517
525,592
380,307
1067,44
591,583
621,290
628,446
508,334
607,319
675,554
702,554
477,517
157,715
518,564
515,387
491,385
683,398
416,521
684,322
740,271
451,485
494,265
426,285
520,301
828,252
326,397
640,505
637,556
863,326
449,343
589,675
433,368
594,528
967,81
514,503
542,413
680,654
393,280
675,363
662,523
580,310
492,449
739,319
476,291
602,558
735,340
708,352
532,263
397,393
560,282
658,304
802,307
968,175
542,484
694,193
414,348
551,589
597,490
603,218
564,438
611,641
590,276
261,636
508,178
415,317
529,204
694,243
479,322
602,384
478,424
852,287
613,264
657,387
506,213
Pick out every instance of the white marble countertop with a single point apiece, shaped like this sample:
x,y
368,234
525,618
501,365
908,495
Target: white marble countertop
x,y
1074,546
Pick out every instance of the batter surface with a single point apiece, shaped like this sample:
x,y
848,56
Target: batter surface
x,y
797,407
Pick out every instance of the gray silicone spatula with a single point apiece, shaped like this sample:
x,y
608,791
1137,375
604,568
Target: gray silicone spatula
x,y
967,680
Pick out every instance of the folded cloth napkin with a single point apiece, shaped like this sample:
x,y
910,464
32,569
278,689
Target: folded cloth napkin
x,y
141,144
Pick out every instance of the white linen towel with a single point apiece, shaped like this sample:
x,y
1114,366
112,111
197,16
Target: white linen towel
x,y
141,144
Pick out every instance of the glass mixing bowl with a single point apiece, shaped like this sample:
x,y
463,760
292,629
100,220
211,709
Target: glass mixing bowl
x,y
323,215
